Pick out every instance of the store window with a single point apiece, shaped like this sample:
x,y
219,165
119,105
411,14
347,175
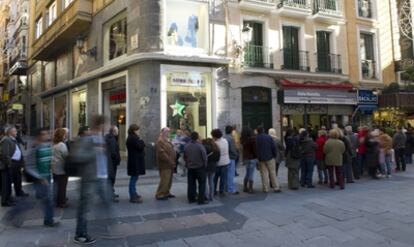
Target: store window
x,y
186,27
49,75
46,113
188,101
114,106
78,114
60,114
115,42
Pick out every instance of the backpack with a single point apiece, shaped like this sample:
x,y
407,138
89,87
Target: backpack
x,y
295,151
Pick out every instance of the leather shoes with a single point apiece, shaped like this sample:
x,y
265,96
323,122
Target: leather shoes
x,y
22,194
7,204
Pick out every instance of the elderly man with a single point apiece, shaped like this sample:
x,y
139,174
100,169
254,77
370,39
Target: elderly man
x,y
165,157
11,166
114,156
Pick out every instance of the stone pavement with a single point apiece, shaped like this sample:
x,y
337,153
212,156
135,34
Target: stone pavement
x,y
366,213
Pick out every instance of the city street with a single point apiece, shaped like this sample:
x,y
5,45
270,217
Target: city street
x,y
366,213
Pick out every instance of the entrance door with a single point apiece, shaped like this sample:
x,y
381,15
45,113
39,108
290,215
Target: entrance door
x,y
257,107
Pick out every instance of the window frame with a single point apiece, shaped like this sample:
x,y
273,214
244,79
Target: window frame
x,y
39,27
106,36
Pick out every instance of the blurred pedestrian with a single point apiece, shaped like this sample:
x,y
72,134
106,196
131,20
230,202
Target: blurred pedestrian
x,y
347,157
308,151
293,156
353,139
213,156
334,150
362,132
136,161
248,141
195,157
236,137
59,154
38,165
372,154
399,141
233,155
385,145
114,156
320,160
266,154
93,168
223,163
166,161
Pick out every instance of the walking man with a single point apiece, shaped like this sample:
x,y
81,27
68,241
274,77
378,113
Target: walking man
x,y
195,157
266,154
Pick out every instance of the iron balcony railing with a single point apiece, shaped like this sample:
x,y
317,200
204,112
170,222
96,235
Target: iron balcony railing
x,y
365,8
257,56
368,68
295,59
333,7
327,62
301,4
264,1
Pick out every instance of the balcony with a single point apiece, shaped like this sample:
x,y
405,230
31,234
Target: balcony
x,y
19,67
295,8
256,56
368,69
328,11
295,60
329,63
75,20
258,5
365,8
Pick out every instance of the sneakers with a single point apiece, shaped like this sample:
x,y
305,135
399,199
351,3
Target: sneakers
x,y
84,240
51,224
136,199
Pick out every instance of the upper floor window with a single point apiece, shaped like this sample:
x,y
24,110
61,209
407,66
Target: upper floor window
x,y
189,28
39,27
66,3
367,55
52,14
365,8
115,43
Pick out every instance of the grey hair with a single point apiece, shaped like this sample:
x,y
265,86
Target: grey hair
x,y
348,128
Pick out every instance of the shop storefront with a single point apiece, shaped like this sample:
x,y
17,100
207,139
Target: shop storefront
x,y
78,110
114,103
366,108
311,107
186,94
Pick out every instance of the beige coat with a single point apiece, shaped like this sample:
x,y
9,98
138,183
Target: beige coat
x,y
165,154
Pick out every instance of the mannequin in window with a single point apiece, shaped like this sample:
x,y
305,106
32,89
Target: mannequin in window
x,y
187,122
173,37
192,31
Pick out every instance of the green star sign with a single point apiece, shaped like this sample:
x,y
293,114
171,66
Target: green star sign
x,y
178,109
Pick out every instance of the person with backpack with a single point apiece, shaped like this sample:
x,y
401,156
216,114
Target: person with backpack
x,y
293,155
213,156
248,141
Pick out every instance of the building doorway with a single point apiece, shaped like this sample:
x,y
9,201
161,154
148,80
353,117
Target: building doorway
x,y
257,107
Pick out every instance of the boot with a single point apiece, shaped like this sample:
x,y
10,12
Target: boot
x,y
245,189
251,187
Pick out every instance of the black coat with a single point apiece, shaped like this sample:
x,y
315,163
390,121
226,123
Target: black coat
x,y
136,155
372,153
112,148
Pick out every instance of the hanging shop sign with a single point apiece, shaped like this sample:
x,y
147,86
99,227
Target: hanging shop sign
x,y
367,97
186,79
308,96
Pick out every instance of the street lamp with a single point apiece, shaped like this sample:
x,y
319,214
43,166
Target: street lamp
x,y
247,34
80,42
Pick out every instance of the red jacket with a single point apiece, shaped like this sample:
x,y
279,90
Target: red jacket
x,y
362,149
321,143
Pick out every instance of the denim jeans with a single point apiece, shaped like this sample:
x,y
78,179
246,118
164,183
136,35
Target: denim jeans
x,y
231,172
221,172
44,193
306,170
322,172
250,169
210,182
388,162
88,189
360,162
132,186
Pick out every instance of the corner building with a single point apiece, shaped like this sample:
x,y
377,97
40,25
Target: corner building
x,y
149,62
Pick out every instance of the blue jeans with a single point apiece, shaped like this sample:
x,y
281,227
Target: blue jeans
x,y
231,172
221,172
306,170
88,189
386,167
250,168
44,193
210,183
132,186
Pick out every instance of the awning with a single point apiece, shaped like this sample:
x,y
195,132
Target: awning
x,y
317,85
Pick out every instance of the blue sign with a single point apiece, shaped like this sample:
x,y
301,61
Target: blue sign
x,y
367,97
